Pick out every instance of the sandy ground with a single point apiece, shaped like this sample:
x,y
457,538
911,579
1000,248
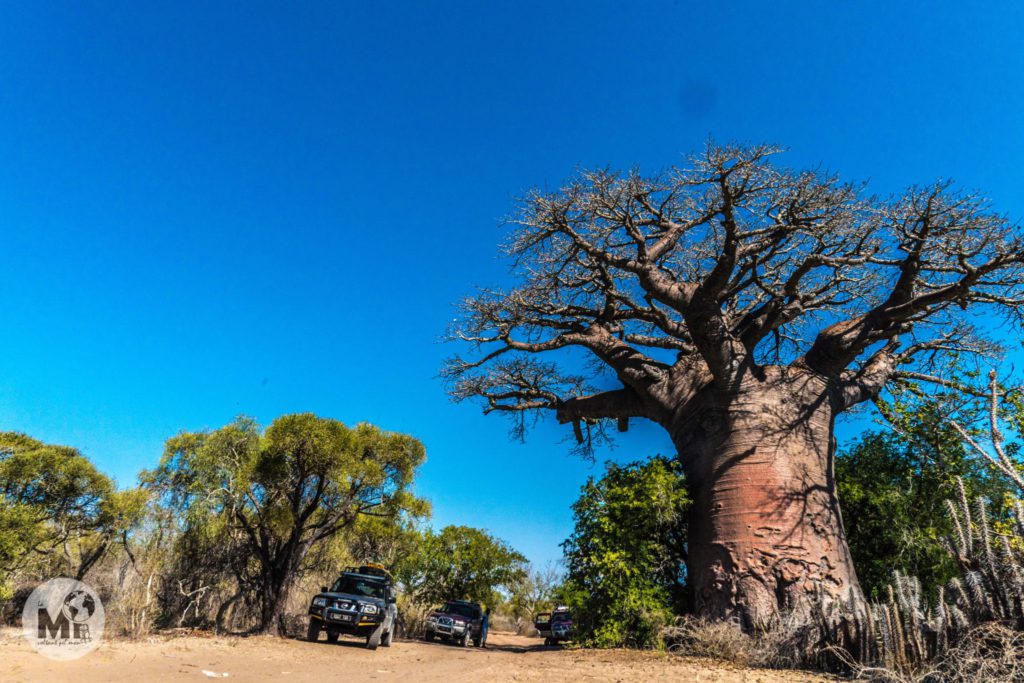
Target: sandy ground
x,y
507,658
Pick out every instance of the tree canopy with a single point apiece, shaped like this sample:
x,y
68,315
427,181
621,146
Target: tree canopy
x,y
460,563
273,495
700,275
55,503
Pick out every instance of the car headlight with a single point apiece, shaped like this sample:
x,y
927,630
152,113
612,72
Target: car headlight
x,y
369,609
319,602
431,620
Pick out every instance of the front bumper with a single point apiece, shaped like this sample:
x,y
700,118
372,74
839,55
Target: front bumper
x,y
446,629
346,621
560,632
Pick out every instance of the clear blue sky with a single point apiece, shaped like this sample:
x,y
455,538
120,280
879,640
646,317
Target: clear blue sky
x,y
209,209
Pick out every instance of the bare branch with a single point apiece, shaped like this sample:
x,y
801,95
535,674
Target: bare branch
x,y
1000,460
725,266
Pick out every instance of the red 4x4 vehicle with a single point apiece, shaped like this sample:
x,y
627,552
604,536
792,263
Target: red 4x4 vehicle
x,y
556,627
458,621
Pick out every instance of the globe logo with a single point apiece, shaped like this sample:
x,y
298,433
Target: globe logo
x,y
63,619
79,606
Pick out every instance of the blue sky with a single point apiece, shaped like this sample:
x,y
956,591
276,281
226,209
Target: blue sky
x,y
212,209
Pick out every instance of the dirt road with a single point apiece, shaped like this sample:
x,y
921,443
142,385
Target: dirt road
x,y
507,658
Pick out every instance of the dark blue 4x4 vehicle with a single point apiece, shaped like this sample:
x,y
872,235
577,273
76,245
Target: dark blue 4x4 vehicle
x,y
361,603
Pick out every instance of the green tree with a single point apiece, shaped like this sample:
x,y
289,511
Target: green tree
x,y
52,498
534,593
627,554
382,540
460,562
894,485
267,498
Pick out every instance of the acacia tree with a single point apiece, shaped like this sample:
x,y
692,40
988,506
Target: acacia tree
x,y
459,562
275,495
55,504
742,306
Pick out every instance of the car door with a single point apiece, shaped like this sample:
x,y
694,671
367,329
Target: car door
x,y
390,611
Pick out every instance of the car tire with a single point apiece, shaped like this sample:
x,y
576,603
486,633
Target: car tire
x,y
464,642
477,642
313,630
548,642
428,636
385,640
332,637
373,640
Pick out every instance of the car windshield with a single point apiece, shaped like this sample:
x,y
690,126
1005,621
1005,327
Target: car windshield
x,y
561,616
460,609
357,585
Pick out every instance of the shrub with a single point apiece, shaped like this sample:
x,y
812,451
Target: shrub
x,y
626,555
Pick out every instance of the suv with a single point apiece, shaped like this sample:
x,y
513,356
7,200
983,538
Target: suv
x,y
556,627
457,621
361,603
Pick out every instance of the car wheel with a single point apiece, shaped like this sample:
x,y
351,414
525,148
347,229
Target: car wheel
x,y
373,640
548,642
464,642
313,630
385,641
332,637
428,636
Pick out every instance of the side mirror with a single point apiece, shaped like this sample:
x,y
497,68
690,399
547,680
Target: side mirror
x,y
392,600
323,589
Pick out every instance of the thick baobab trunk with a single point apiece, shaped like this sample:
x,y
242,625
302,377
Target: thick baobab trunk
x,y
766,536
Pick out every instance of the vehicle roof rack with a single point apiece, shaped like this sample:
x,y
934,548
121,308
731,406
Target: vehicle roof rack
x,y
370,569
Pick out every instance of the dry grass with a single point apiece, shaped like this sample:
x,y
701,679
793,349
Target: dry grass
x,y
724,641
990,653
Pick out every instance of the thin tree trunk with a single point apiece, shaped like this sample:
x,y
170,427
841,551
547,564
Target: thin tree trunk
x,y
765,533
275,598
277,589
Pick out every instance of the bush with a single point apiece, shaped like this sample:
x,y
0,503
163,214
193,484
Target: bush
x,y
626,556
893,491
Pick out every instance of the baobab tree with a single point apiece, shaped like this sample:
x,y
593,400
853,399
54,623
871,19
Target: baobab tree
x,y
742,306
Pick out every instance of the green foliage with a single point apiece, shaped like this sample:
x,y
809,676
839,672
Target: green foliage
x,y
54,496
459,562
626,556
258,502
384,540
893,487
971,629
21,532
533,593
305,475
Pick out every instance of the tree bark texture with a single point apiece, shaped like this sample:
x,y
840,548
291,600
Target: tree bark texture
x,y
766,534
276,590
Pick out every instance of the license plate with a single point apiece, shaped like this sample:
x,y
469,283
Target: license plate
x,y
341,617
